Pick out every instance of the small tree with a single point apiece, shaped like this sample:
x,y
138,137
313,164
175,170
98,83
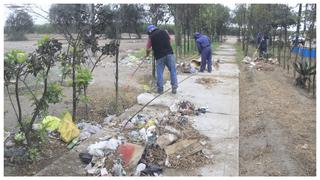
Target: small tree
x,y
82,25
18,66
18,24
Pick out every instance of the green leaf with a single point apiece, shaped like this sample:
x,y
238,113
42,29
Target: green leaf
x,y
44,39
21,57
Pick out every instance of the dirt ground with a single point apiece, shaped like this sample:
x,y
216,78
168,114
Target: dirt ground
x,y
277,125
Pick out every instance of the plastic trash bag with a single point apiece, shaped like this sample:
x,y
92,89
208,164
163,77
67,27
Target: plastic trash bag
x,y
51,123
68,130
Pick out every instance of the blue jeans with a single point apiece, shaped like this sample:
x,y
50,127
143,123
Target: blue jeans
x,y
170,62
206,56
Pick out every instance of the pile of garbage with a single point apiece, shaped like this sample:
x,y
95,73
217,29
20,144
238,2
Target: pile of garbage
x,y
60,129
187,68
148,144
260,63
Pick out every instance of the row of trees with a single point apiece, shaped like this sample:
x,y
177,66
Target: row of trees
x,y
275,20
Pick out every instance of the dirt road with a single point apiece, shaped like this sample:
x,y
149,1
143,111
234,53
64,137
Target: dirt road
x,y
277,126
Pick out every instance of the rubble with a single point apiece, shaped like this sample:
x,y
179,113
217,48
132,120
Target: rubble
x,y
186,68
152,170
87,129
85,157
140,168
118,169
130,154
144,98
98,149
186,108
166,139
184,148
260,63
149,143
104,172
108,119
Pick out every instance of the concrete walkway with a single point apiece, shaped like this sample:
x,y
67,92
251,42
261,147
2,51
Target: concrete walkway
x,y
221,125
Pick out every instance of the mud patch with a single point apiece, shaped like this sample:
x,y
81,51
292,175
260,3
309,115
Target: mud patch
x,y
208,82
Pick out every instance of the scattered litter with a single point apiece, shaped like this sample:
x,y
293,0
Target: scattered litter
x,y
19,137
36,127
184,148
208,153
152,170
51,123
98,149
130,154
87,130
68,130
9,143
85,157
166,139
247,60
140,168
150,143
105,138
186,68
84,135
174,107
118,169
104,172
92,170
172,130
88,127
202,110
108,119
186,108
203,142
6,135
73,143
144,98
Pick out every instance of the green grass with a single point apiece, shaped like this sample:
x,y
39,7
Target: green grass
x,y
239,52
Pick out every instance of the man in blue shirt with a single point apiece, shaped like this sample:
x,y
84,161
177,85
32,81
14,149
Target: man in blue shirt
x,y
204,48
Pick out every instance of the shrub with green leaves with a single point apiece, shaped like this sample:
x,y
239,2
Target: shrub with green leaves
x,y
83,77
54,93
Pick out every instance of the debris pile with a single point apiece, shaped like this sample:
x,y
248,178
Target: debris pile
x,y
149,144
260,63
186,68
208,82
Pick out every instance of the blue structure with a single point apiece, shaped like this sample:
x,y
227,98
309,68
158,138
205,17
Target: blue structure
x,y
304,52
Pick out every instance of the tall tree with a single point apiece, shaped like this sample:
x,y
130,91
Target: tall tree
x,y
18,24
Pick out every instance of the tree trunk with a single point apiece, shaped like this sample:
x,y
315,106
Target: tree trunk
x,y
117,79
285,46
74,85
297,35
279,46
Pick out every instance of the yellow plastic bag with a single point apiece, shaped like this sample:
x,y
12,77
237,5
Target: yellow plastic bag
x,y
68,130
51,123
